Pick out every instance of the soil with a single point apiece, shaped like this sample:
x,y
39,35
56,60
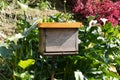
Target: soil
x,y
8,18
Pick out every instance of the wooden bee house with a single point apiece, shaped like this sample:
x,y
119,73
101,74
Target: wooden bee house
x,y
58,38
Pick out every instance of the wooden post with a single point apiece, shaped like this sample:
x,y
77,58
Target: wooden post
x,y
53,67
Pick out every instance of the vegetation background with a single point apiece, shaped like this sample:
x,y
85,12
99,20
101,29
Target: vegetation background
x,y
99,48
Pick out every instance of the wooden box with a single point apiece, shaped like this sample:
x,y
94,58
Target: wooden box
x,y
58,38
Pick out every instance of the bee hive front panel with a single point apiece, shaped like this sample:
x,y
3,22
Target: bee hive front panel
x,y
61,40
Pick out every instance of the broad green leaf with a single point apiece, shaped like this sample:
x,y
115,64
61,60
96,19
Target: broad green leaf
x,y
26,63
4,51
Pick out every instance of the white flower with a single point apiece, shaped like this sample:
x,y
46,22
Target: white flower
x,y
103,20
113,45
117,41
41,57
23,75
16,37
101,38
19,35
79,76
92,23
94,32
79,41
99,29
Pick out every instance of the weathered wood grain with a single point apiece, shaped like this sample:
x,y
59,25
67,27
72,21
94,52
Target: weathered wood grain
x,y
61,40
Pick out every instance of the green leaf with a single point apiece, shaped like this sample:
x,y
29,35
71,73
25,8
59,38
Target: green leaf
x,y
26,63
4,51
117,60
91,18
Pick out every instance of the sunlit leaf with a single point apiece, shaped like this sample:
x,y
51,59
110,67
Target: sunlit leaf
x,y
26,63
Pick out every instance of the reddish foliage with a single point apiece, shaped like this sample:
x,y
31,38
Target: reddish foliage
x,y
104,9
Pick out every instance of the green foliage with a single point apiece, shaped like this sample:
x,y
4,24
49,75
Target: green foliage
x,y
21,48
41,4
23,1
98,56
2,4
60,17
44,4
26,63
102,45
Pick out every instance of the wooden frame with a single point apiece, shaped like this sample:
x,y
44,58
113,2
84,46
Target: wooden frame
x,y
60,25
58,38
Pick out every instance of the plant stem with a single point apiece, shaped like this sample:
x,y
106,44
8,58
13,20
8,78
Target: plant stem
x,y
65,6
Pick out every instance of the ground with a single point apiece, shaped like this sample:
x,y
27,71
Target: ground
x,y
8,17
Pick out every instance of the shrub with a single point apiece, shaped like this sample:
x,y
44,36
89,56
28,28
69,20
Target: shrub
x,y
100,9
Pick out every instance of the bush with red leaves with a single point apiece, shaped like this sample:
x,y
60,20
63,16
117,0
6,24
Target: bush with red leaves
x,y
101,9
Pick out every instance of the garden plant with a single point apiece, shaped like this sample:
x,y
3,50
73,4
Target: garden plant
x,y
99,45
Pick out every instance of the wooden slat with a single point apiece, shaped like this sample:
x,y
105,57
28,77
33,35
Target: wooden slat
x,y
60,25
41,40
60,53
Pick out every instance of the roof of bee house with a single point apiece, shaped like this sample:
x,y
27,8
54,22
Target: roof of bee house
x,y
60,25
